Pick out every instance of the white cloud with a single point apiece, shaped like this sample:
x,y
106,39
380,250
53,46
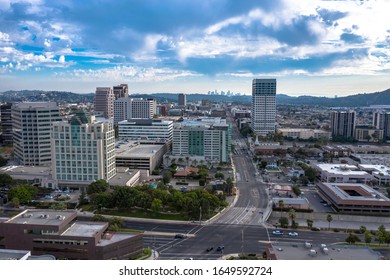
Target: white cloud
x,y
128,73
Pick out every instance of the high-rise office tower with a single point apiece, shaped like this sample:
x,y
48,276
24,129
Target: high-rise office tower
x,y
104,102
134,108
182,100
263,106
83,149
121,91
6,123
343,123
31,123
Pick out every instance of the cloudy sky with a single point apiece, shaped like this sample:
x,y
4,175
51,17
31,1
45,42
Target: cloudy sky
x,y
311,47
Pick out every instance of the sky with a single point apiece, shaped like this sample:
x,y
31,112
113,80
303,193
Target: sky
x,y
321,48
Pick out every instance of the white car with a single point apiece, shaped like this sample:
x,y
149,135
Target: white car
x,y
293,233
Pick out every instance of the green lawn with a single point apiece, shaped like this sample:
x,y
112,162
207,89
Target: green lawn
x,y
140,213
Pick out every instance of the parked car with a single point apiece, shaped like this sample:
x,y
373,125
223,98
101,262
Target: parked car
x,y
220,248
293,233
209,249
180,235
277,232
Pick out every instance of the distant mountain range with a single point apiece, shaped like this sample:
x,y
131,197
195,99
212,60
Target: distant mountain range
x,y
358,100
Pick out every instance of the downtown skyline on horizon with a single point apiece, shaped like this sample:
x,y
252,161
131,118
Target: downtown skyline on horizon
x,y
317,48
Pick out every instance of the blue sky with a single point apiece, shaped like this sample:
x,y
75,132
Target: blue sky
x,y
323,48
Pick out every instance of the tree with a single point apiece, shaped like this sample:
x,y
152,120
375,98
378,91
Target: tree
x,y
329,218
24,193
352,238
3,161
362,229
296,189
167,176
381,234
102,199
98,186
15,202
292,215
58,206
5,180
156,205
281,205
309,223
367,237
82,198
311,173
219,175
283,221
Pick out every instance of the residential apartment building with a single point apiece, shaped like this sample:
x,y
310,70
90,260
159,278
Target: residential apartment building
x,y
83,150
368,134
104,102
343,123
134,108
213,142
381,120
31,123
6,123
157,130
121,91
263,106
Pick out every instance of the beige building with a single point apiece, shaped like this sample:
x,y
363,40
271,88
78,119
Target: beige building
x,y
104,102
304,133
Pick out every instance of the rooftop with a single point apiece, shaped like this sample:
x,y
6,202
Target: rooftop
x,y
42,217
110,238
298,251
137,151
20,169
355,192
85,229
6,254
342,169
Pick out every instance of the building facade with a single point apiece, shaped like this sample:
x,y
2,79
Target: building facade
x,y
104,102
83,149
59,234
6,124
31,123
182,100
121,91
304,133
263,106
381,121
343,123
157,130
213,142
134,108
368,134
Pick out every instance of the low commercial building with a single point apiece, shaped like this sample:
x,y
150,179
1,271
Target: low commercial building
x,y
380,173
294,202
342,173
304,133
40,175
59,234
337,151
139,156
307,251
354,197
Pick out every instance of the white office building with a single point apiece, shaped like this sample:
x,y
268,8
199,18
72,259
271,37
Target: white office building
x,y
263,106
83,149
31,123
134,108
156,130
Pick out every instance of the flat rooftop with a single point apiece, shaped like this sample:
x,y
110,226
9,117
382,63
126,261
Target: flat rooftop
x,y
291,201
363,192
26,170
6,254
85,229
297,251
110,238
137,151
342,169
41,217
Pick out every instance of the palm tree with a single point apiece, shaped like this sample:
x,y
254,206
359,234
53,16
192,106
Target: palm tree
x,y
309,223
281,205
292,215
329,218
